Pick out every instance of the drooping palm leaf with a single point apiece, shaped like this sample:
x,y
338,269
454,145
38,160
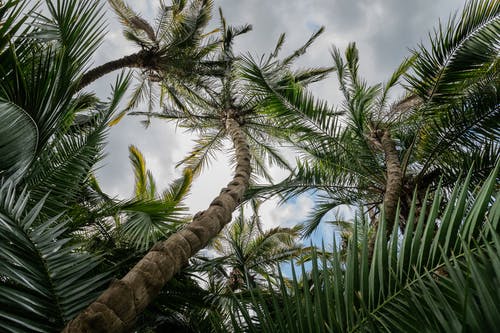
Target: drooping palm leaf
x,y
45,282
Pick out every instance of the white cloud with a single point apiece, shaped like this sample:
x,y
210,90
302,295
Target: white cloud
x,y
383,30
288,214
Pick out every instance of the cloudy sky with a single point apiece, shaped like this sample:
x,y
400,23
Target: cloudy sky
x,y
384,31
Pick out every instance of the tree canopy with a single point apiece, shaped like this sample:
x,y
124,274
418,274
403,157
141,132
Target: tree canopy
x,y
422,172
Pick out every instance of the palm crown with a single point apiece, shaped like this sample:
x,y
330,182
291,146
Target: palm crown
x,y
448,122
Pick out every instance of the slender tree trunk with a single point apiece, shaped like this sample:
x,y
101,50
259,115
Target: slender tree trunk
x,y
392,189
140,59
116,309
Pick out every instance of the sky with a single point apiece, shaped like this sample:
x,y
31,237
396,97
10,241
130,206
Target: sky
x,y
384,32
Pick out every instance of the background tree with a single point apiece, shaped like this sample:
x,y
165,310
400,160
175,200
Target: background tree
x,y
223,106
425,281
373,154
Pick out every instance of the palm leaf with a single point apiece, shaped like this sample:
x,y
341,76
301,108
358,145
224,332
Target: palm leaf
x,y
423,281
460,52
18,139
43,279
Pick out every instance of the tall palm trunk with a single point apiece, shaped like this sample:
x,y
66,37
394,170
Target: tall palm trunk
x,y
394,182
141,59
116,309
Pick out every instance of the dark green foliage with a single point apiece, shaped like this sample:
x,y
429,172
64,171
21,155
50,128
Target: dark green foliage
x,y
422,281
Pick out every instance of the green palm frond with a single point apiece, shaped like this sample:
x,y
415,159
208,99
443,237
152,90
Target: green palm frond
x,y
421,281
133,21
43,279
460,53
144,222
77,30
288,103
40,79
462,127
64,164
13,15
18,139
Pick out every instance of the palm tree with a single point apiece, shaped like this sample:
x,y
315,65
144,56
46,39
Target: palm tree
x,y
171,51
50,139
45,278
217,111
376,155
243,258
137,223
426,281
246,256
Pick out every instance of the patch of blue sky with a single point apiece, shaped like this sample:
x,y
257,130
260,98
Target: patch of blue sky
x,y
313,26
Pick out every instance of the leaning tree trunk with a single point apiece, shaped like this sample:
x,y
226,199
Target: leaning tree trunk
x,y
392,189
116,309
141,59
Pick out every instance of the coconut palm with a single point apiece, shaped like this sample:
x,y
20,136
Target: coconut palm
x,y
246,256
171,50
218,111
375,154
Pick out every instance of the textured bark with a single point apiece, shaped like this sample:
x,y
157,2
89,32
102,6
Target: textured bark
x,y
116,309
394,181
142,59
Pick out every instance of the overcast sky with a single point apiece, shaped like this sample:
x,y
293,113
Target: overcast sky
x,y
384,31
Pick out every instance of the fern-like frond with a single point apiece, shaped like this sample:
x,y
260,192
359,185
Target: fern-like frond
x,y
44,282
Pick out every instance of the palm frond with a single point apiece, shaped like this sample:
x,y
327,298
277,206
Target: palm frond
x,y
302,50
133,20
460,52
203,151
43,279
66,162
18,140
147,221
422,281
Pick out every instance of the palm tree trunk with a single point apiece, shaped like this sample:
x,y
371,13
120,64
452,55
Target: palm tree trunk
x,y
135,60
393,187
116,309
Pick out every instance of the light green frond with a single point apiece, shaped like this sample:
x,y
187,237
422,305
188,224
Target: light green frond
x,y
179,189
204,150
140,172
